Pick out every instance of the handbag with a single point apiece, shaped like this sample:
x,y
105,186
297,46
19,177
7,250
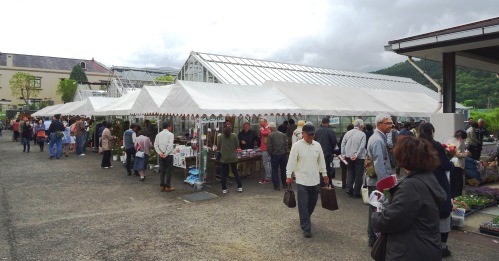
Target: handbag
x,y
59,134
365,192
289,197
369,167
378,252
328,198
139,153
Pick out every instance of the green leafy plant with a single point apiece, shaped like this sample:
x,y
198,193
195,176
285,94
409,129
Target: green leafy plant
x,y
24,85
67,89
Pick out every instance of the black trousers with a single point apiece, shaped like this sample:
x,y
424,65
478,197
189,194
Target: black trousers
x,y
106,159
165,170
130,153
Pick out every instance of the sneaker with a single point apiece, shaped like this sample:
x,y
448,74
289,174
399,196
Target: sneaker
x,y
224,191
264,181
307,234
142,178
106,167
111,166
82,154
239,190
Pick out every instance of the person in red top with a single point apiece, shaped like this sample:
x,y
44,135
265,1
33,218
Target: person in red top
x,y
264,133
15,129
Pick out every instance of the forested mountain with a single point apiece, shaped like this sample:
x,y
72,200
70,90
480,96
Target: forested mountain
x,y
475,88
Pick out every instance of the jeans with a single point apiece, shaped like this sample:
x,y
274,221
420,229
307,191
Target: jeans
x,y
225,173
128,163
355,173
370,230
278,161
79,144
165,169
85,140
58,144
330,170
106,159
266,165
25,144
307,199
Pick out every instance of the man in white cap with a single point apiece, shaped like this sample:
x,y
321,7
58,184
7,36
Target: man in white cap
x,y
306,159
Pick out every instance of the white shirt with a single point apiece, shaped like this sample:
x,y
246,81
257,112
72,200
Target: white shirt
x,y
306,161
164,142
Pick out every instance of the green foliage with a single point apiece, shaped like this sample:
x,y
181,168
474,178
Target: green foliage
x,y
78,74
475,88
165,79
491,118
66,89
23,85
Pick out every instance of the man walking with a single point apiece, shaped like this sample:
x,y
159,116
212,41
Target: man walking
x,y
277,147
129,141
306,159
353,147
327,139
163,145
264,133
377,152
55,128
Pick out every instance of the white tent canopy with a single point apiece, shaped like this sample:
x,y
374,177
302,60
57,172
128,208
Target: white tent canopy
x,y
150,99
120,106
91,105
315,99
200,98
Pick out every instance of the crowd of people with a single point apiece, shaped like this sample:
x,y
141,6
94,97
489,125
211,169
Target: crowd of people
x,y
415,222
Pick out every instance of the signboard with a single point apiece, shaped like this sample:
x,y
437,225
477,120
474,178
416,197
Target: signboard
x,y
212,119
334,120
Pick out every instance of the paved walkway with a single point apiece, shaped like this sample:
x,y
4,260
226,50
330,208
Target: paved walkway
x,y
71,209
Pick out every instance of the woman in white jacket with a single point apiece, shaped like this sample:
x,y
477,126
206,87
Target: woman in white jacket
x,y
297,133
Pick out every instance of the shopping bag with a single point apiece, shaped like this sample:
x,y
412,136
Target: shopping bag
x,y
289,197
378,252
365,195
328,198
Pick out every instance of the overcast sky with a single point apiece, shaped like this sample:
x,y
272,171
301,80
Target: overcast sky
x,y
338,34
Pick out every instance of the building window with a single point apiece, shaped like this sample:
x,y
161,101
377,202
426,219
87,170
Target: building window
x,y
83,65
36,82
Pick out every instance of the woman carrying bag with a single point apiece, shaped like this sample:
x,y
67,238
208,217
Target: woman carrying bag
x,y
142,147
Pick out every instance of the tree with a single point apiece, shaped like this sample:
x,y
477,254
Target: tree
x,y
24,85
165,78
66,89
78,74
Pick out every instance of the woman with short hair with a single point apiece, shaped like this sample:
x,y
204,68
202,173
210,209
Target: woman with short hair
x,y
410,221
227,144
143,144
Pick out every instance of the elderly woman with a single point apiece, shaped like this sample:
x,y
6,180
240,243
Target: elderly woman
x,y
457,174
107,145
297,134
143,144
227,143
410,221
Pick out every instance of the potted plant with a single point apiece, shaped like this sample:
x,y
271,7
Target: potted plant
x,y
153,159
117,151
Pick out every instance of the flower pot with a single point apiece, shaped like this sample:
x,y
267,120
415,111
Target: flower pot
x,y
115,157
122,158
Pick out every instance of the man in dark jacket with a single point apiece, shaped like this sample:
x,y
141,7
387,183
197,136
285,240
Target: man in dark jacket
x,y
283,128
248,138
326,137
277,147
55,128
289,133
481,132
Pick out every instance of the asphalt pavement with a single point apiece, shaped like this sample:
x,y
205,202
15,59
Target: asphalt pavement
x,y
72,209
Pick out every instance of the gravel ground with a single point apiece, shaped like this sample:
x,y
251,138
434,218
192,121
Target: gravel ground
x,y
71,209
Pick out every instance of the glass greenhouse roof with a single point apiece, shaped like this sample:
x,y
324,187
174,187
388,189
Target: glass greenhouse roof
x,y
206,67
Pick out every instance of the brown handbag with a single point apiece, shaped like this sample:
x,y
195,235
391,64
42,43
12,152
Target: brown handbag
x,y
328,198
289,197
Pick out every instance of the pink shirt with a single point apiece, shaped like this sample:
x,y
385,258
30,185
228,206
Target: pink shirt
x,y
145,144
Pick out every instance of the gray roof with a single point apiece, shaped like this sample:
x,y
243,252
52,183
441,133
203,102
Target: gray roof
x,y
51,63
245,71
